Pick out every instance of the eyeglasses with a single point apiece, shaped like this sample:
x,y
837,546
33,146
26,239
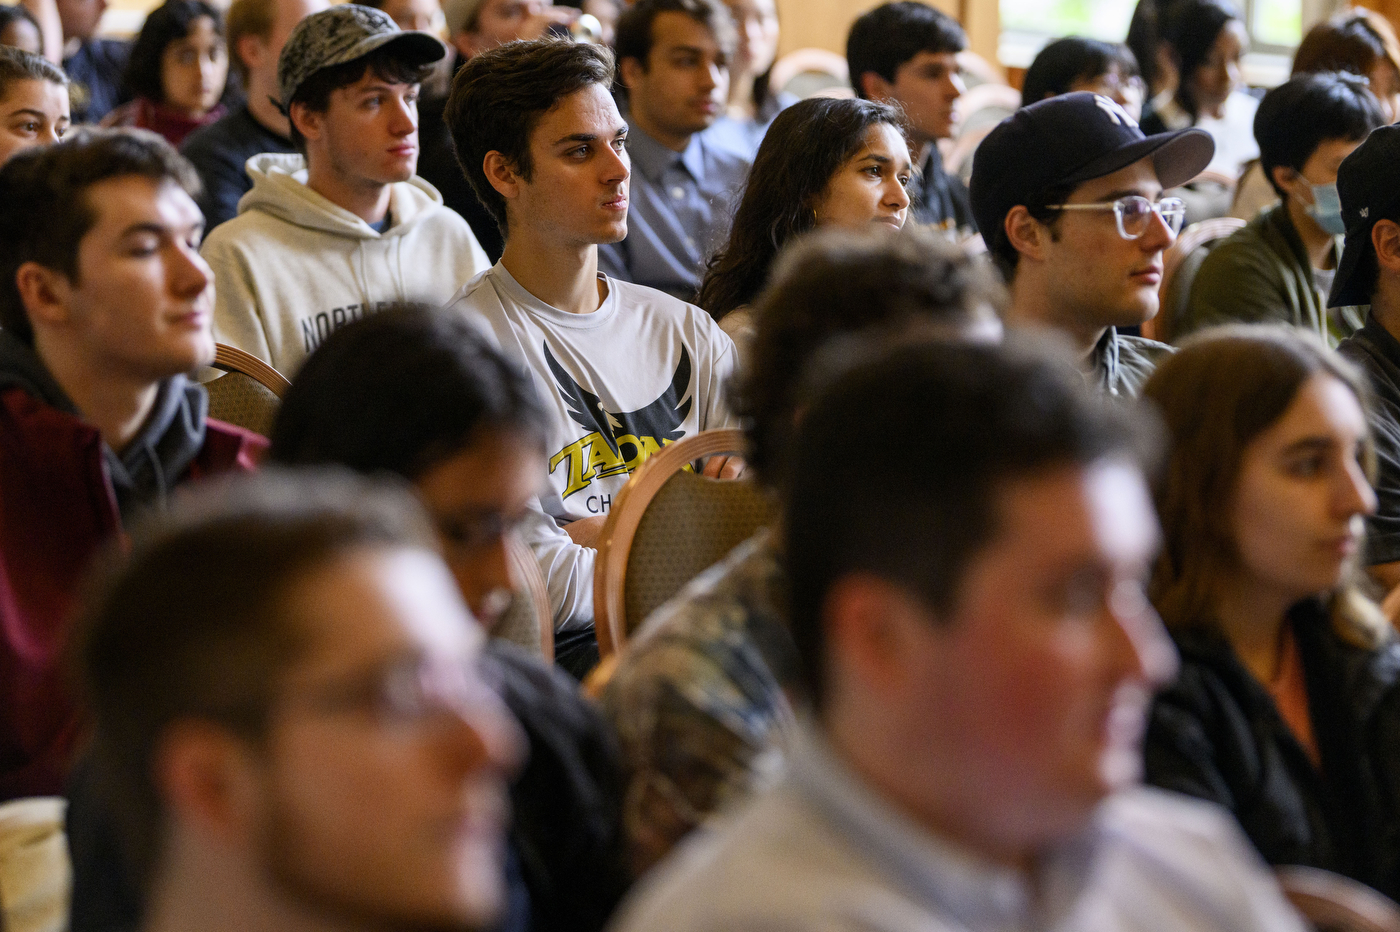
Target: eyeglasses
x,y
1134,213
406,692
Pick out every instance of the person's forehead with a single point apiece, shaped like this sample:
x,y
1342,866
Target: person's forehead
x,y
671,28
45,96
121,202
927,61
375,605
589,110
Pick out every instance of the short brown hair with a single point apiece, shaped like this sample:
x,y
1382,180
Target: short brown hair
x,y
1226,387
315,92
45,211
499,96
247,18
190,625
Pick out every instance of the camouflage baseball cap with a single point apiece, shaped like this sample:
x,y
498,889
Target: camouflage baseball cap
x,y
344,33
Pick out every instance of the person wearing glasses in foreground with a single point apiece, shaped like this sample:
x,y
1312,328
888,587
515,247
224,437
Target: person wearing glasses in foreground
x,y
1068,196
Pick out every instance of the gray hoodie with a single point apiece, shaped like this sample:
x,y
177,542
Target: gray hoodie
x,y
293,267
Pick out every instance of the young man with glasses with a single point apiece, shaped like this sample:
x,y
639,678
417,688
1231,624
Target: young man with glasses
x,y
1068,196
317,747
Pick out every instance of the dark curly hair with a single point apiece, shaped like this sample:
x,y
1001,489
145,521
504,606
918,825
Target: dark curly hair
x,y
806,145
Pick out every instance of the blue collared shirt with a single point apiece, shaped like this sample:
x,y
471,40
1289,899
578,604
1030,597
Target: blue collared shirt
x,y
680,211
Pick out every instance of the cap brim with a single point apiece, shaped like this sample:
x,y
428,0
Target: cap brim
x,y
1178,157
415,48
1348,288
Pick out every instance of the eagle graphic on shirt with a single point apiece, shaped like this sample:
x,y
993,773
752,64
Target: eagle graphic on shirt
x,y
617,441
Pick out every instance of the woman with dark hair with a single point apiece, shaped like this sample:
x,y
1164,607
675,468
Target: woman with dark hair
x,y
419,393
1075,63
1287,710
824,162
19,29
178,71
33,102
1359,42
1206,40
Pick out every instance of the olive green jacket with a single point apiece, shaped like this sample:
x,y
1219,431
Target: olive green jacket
x,y
1261,274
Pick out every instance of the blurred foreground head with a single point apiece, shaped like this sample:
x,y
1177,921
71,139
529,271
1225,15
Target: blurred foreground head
x,y
968,535
290,723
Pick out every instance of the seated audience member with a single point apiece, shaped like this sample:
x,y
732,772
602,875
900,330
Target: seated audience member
x,y
33,102
705,699
1369,273
345,229
905,53
317,745
1286,710
1279,268
622,369
177,71
104,304
753,101
1361,42
1153,57
1078,64
95,67
20,30
966,600
411,15
825,163
1068,195
257,30
475,26
1206,39
673,65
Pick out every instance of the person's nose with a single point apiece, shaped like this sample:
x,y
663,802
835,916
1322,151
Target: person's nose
x,y
1158,235
1140,645
51,134
957,87
189,273
1354,493
617,167
896,195
404,118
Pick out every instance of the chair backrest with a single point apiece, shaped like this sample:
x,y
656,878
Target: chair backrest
x,y
1179,267
36,876
809,72
249,392
666,527
530,621
1333,903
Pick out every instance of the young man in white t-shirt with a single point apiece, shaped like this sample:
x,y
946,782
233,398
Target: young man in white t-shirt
x,y
624,370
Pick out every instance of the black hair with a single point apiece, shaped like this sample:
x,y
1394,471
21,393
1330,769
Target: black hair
x,y
167,23
1068,61
401,391
1189,30
194,624
499,96
898,467
837,285
634,33
1302,113
1145,37
1004,255
45,211
314,93
11,13
17,65
804,148
892,33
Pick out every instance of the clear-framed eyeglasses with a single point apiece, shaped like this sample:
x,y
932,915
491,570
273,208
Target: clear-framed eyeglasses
x,y
1134,213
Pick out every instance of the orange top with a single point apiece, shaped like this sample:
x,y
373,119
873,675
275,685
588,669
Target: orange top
x,y
1289,690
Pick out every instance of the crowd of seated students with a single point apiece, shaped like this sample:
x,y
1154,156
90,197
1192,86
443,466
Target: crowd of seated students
x,y
1023,560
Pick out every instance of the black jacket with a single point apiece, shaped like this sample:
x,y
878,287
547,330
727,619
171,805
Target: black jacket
x,y
1216,734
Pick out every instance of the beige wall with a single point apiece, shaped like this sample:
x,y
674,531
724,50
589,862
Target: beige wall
x,y
824,23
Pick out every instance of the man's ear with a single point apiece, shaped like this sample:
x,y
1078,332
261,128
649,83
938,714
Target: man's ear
x,y
465,43
307,121
1285,177
44,293
503,174
207,778
875,87
1385,237
632,72
869,623
1026,234
250,50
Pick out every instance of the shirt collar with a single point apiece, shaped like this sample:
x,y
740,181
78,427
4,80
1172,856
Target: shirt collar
x,y
979,893
652,158
1104,361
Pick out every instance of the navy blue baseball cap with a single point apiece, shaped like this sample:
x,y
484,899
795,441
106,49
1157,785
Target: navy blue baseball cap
x,y
1068,140
1367,186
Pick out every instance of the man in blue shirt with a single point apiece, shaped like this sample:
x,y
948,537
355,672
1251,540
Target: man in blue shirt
x,y
673,59
94,66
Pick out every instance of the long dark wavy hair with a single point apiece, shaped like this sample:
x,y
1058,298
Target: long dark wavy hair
x,y
806,145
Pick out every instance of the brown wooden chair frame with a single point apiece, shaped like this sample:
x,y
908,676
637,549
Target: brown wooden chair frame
x,y
615,540
527,571
232,359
